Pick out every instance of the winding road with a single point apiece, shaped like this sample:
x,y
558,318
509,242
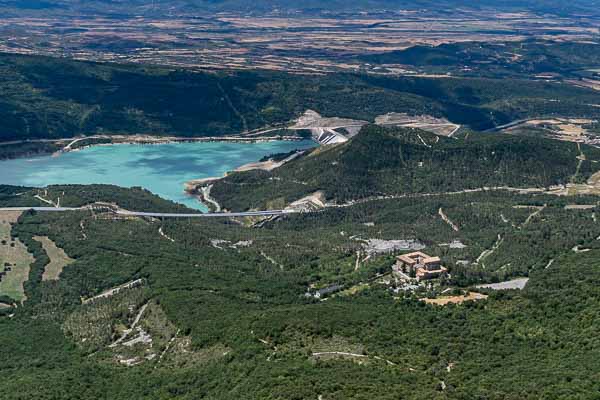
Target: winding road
x,y
268,213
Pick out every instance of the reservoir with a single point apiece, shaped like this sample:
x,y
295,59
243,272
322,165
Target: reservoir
x,y
161,168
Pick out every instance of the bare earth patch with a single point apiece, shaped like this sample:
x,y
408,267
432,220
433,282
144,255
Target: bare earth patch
x,y
313,201
379,246
15,260
442,301
508,285
587,83
565,129
438,126
58,258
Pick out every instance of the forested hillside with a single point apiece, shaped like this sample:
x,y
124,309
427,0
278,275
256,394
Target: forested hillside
x,y
229,319
516,59
394,161
54,98
317,298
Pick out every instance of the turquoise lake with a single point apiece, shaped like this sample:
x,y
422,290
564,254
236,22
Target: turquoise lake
x,y
163,169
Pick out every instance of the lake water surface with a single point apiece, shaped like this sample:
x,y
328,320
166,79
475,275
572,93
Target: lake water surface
x,y
163,169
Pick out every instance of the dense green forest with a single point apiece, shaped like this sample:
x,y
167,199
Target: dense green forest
x,y
505,59
14,150
394,161
223,308
231,321
54,98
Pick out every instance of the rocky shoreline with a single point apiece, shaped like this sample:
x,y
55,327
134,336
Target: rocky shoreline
x,y
200,188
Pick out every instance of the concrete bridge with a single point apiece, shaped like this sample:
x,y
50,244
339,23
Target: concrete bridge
x,y
116,211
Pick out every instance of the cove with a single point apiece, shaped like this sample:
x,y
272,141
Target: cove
x,y
161,168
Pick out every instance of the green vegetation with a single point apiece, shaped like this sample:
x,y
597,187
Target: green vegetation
x,y
18,196
94,325
58,258
233,324
508,59
55,98
593,128
383,162
218,308
135,199
14,260
27,149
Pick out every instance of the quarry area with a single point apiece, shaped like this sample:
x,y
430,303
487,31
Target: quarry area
x,y
334,130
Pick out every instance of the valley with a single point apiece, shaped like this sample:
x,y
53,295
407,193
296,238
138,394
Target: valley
x,y
275,200
312,44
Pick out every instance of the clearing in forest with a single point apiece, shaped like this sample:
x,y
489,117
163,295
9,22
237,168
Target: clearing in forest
x,y
15,260
442,301
58,258
508,285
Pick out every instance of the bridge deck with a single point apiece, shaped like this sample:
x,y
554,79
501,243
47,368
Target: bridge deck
x,y
158,215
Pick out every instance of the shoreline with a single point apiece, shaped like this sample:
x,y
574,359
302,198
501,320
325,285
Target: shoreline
x,y
66,143
196,188
200,188
158,140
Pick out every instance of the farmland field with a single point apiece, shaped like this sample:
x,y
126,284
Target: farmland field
x,y
58,258
13,255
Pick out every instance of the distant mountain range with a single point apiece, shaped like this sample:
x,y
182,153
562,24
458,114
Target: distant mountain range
x,y
116,7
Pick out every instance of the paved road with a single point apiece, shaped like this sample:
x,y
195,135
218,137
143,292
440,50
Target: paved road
x,y
206,215
514,284
509,125
42,209
276,212
267,213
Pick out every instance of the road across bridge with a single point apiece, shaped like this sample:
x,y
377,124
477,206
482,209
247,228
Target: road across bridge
x,y
43,209
267,213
